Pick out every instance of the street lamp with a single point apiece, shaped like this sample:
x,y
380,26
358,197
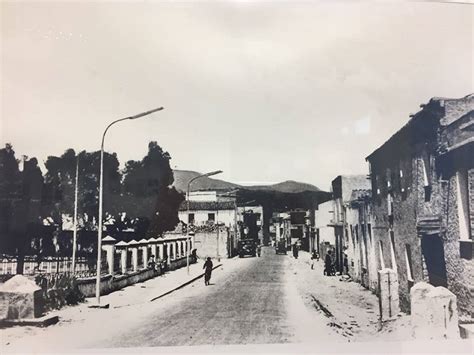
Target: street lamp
x,y
99,234
187,202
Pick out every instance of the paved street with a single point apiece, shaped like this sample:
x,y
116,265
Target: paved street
x,y
249,301
249,305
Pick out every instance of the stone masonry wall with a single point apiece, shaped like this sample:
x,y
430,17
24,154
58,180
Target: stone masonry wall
x,y
460,271
406,210
443,203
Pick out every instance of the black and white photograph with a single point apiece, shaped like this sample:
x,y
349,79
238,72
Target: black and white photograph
x,y
232,176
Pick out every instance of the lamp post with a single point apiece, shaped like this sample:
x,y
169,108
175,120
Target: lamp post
x,y
187,203
101,183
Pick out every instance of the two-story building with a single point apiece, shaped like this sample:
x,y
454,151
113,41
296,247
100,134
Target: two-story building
x,y
342,188
422,193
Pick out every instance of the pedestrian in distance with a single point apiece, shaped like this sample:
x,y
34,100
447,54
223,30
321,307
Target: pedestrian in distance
x,y
346,265
207,271
259,250
328,264
295,251
314,256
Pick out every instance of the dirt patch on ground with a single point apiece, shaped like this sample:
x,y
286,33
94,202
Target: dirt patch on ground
x,y
350,309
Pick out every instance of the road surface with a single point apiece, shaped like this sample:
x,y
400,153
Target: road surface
x,y
249,305
249,301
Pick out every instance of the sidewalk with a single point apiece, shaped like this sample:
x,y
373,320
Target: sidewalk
x,y
125,305
349,308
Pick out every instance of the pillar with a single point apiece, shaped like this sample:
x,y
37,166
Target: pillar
x,y
108,245
168,250
134,257
161,251
173,249
153,250
145,255
123,260
388,297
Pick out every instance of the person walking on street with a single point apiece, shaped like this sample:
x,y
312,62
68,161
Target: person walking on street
x,y
346,265
295,251
328,264
259,250
314,257
207,271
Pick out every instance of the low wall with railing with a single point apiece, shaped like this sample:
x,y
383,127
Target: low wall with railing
x,y
109,283
122,264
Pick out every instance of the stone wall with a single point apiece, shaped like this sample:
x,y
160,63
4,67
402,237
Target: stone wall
x,y
460,271
206,243
426,214
408,206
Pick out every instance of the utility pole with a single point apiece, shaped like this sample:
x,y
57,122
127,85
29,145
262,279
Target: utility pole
x,y
217,221
74,235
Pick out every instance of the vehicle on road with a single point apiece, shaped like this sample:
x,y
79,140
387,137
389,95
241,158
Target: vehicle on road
x,y
247,247
280,247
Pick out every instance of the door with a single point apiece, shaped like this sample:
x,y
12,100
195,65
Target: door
x,y
433,252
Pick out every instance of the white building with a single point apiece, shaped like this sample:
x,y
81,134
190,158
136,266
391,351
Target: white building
x,y
323,217
203,212
207,207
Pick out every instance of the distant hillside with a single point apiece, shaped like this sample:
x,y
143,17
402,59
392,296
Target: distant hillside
x,y
288,186
182,177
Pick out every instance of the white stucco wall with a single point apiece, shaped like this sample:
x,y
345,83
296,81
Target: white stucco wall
x,y
323,217
201,217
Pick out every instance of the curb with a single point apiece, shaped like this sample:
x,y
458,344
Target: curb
x,y
41,322
182,285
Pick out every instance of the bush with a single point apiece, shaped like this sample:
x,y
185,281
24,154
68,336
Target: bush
x,y
59,290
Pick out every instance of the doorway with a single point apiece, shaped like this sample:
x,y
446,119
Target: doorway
x,y
433,253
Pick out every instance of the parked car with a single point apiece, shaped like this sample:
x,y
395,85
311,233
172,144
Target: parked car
x,y
280,247
247,247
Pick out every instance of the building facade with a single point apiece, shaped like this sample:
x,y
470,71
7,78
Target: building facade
x,y
422,196
342,187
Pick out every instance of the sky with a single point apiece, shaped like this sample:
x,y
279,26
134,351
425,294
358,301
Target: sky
x,y
265,91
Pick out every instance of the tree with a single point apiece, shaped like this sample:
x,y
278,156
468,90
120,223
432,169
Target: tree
x,y
9,196
60,181
20,203
147,191
59,195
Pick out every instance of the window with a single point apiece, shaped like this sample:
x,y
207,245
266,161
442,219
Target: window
x,y
191,218
425,164
463,204
400,181
409,264
211,217
392,251
390,204
382,262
